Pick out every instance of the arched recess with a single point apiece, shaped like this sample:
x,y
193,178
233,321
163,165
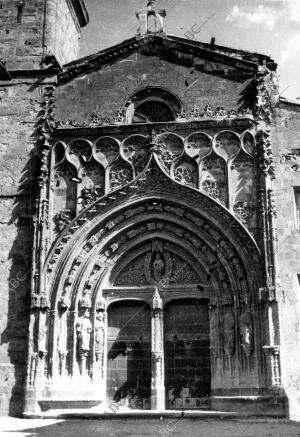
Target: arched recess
x,y
154,104
79,272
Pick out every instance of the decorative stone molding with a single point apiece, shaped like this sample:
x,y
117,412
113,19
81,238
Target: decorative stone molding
x,y
266,162
242,210
40,301
46,125
268,94
63,218
271,294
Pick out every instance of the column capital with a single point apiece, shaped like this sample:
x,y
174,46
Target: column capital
x,y
157,302
271,350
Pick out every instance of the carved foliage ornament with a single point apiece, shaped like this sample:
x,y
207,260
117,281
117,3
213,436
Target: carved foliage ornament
x,y
63,218
242,210
266,162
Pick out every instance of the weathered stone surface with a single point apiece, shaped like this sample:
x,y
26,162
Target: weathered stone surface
x,y
40,31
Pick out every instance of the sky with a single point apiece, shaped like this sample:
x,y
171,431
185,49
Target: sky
x,y
271,27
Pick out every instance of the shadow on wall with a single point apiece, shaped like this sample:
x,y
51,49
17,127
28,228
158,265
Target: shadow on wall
x,y
20,228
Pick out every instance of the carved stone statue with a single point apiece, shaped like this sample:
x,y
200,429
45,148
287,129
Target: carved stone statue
x,y
228,332
100,341
214,331
158,267
246,332
130,112
84,329
99,334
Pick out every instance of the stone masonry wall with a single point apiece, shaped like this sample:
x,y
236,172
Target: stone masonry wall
x,y
62,32
285,137
23,44
105,91
19,109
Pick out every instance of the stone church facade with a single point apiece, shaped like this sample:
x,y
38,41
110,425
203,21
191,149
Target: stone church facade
x,y
149,222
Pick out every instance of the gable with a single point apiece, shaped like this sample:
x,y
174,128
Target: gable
x,y
197,82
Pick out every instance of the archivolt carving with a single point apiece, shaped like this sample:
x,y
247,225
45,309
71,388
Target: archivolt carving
x,y
157,177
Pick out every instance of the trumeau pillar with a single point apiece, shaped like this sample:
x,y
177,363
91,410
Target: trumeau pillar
x,y
157,354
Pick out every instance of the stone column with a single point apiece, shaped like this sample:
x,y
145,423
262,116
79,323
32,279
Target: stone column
x,y
272,355
157,354
268,297
42,342
100,336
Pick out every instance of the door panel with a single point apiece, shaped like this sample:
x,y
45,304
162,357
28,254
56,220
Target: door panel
x,y
129,355
187,355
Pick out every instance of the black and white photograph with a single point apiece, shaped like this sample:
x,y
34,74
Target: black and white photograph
x,y
150,218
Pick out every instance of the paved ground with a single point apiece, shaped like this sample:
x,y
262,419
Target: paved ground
x,y
10,427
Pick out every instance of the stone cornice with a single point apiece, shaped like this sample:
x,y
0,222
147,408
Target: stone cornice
x,y
242,123
160,45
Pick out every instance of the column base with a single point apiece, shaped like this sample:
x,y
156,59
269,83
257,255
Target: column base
x,y
260,405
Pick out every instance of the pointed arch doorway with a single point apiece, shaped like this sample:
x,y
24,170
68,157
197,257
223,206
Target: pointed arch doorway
x,y
158,353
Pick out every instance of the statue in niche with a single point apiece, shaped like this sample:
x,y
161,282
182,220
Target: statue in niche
x,y
246,332
228,332
83,330
158,267
99,334
129,112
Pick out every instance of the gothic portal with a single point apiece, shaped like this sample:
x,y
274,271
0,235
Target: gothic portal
x,y
154,280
